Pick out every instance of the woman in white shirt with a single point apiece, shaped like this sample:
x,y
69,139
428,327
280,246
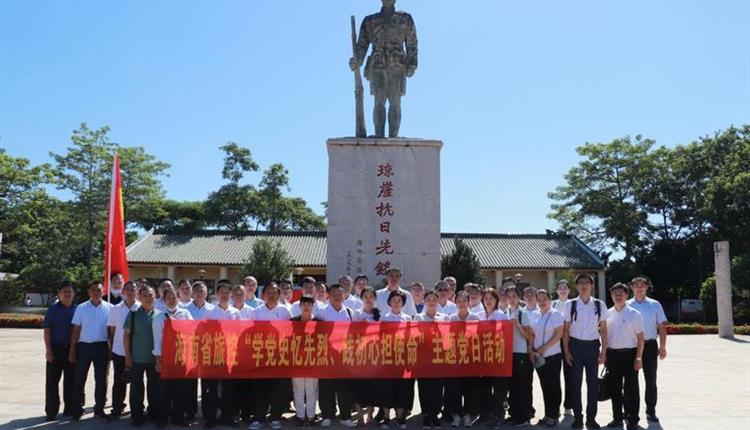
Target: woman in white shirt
x,y
430,389
397,393
546,355
462,394
366,390
494,389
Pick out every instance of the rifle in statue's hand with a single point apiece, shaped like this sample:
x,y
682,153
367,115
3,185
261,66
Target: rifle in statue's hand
x,y
361,131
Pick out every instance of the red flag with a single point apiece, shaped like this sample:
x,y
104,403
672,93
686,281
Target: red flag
x,y
115,259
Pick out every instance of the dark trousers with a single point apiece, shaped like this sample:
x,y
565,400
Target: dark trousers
x,y
549,379
210,399
620,366
59,367
331,392
191,400
119,387
96,353
271,393
138,372
568,385
585,357
462,396
520,387
228,403
243,395
650,363
172,400
430,396
499,396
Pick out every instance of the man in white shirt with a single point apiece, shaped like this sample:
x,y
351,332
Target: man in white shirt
x,y
89,343
163,284
184,293
445,305
333,390
624,357
115,322
351,301
273,393
172,392
585,345
198,309
223,311
287,293
452,285
654,320
393,277
308,290
251,285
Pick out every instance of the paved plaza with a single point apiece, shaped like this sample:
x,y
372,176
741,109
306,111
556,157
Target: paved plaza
x,y
703,384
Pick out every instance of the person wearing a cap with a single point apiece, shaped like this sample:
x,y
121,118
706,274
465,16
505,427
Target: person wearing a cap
x,y
624,357
393,277
305,389
584,346
563,292
397,393
654,325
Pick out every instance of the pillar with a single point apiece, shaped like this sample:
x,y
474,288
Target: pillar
x,y
170,272
723,289
550,280
498,278
601,280
223,272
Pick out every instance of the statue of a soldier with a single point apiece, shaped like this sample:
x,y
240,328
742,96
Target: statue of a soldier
x,y
394,58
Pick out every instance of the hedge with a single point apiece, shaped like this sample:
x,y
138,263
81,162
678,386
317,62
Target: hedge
x,y
8,320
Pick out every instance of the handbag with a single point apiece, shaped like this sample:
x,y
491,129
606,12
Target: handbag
x,y
127,373
605,384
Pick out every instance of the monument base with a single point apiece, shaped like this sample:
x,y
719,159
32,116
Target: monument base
x,y
384,208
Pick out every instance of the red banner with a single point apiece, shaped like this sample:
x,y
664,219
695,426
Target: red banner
x,y
284,349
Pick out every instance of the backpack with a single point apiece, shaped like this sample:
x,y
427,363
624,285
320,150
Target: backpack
x,y
574,311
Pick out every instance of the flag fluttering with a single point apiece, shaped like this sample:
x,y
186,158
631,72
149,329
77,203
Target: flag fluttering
x,y
115,258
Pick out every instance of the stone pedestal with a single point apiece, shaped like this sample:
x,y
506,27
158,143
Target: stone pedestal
x,y
723,289
384,208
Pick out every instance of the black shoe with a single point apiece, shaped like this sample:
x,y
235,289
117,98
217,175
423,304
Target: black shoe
x,y
190,417
592,425
115,414
180,423
632,425
161,424
209,424
101,414
615,424
49,418
229,423
137,422
299,422
652,418
577,424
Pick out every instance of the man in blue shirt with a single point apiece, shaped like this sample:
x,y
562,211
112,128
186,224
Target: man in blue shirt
x,y
57,329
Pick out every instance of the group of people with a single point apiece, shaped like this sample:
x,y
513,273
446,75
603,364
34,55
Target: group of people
x,y
565,335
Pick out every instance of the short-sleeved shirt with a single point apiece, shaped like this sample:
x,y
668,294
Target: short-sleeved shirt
x,y
559,305
142,334
353,302
254,302
329,313
297,311
93,321
585,325
159,304
479,310
382,302
438,317
623,328
158,325
652,314
217,313
399,317
184,305
361,315
448,309
199,313
498,315
544,329
116,319
58,319
471,316
277,313
245,311
520,345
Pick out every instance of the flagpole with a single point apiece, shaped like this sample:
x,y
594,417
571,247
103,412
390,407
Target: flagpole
x,y
110,228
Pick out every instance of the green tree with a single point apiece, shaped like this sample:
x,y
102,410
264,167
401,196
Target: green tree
x,y
234,206
278,212
461,263
268,261
598,202
85,171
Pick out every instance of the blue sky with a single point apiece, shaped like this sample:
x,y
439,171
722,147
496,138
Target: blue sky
x,y
512,87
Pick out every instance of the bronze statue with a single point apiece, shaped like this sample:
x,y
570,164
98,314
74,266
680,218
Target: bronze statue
x,y
394,58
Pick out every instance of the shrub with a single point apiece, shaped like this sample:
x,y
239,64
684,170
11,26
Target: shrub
x,y
21,320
